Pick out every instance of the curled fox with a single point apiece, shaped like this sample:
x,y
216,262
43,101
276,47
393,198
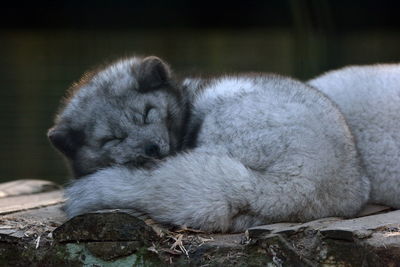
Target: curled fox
x,y
252,149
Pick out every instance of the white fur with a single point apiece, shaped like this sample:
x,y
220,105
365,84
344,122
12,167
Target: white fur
x,y
213,193
369,97
269,149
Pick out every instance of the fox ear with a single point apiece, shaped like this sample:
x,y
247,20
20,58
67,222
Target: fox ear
x,y
67,141
153,73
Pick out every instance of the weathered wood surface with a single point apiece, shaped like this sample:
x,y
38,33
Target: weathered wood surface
x,y
26,202
38,234
26,187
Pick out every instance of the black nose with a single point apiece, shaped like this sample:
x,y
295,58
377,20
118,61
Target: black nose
x,y
152,150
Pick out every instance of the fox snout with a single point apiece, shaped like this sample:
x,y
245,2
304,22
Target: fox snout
x,y
152,150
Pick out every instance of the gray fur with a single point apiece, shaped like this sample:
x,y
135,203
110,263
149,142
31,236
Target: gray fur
x,y
369,97
115,114
268,149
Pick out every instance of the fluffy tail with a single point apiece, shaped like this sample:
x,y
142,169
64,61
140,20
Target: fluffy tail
x,y
212,193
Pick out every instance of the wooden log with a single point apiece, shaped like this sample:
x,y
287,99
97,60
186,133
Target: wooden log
x,y
25,202
35,232
25,187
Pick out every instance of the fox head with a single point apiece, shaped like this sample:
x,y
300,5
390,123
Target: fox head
x,y
130,112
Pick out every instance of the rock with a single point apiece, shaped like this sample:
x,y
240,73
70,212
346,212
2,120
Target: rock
x,y
332,241
37,233
110,250
113,226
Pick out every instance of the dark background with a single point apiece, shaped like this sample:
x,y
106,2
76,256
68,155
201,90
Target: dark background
x,y
45,47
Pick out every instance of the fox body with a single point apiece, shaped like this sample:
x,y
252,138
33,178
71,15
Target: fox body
x,y
369,97
257,149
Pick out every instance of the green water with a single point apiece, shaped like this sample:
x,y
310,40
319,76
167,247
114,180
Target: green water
x,y
36,67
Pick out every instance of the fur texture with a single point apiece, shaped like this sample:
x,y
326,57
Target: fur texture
x,y
264,148
369,97
129,113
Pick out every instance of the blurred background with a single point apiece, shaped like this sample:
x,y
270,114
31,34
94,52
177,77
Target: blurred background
x,y
46,47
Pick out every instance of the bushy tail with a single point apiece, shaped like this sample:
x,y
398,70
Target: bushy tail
x,y
208,192
201,191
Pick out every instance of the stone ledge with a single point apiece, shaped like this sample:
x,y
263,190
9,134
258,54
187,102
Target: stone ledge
x,y
41,236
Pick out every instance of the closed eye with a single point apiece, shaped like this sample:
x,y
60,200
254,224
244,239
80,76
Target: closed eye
x,y
110,140
147,110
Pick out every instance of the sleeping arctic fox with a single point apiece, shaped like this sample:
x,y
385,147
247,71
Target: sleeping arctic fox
x,y
369,97
258,149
